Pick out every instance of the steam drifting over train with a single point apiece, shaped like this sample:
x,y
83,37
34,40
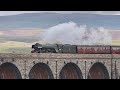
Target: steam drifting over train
x,y
75,49
80,39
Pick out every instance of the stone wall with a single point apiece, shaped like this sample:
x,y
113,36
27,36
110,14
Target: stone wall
x,y
24,62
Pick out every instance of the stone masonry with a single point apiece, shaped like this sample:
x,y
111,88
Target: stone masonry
x,y
25,62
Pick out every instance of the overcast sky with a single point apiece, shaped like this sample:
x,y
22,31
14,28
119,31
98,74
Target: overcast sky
x,y
4,13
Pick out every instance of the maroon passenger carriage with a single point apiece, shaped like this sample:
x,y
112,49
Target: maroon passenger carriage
x,y
98,49
93,49
115,49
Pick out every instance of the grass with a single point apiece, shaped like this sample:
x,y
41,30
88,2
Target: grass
x,y
16,47
15,50
19,50
115,42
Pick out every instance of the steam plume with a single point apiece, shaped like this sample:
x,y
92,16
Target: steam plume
x,y
71,33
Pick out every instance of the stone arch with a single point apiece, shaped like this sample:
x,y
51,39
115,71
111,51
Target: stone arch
x,y
98,71
41,71
9,71
70,71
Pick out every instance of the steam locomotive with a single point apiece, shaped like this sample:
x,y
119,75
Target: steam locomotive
x,y
80,49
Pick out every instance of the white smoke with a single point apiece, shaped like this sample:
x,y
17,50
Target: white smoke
x,y
71,33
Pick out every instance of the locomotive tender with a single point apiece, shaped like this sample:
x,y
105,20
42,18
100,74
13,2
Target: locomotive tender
x,y
80,49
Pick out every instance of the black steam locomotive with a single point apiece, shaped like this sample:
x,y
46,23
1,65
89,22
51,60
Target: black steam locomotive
x,y
80,49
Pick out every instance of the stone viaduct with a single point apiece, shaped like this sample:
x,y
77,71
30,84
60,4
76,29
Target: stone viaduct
x,y
59,66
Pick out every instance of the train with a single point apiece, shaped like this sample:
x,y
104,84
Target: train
x,y
75,49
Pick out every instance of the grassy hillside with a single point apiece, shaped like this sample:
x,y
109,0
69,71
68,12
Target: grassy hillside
x,y
15,47
116,42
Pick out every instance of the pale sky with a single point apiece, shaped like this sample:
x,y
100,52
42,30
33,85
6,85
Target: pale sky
x,y
5,13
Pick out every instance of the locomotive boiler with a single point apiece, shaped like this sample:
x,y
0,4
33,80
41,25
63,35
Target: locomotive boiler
x,y
75,49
